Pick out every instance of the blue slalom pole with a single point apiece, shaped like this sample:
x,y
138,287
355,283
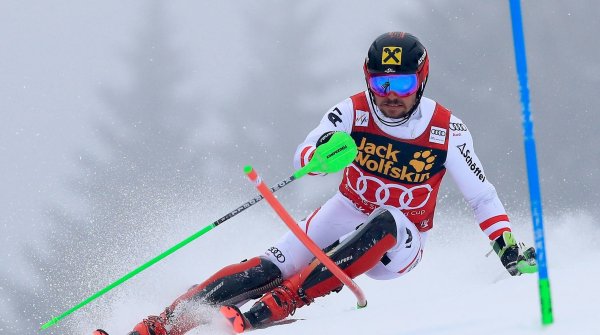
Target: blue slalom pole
x,y
531,162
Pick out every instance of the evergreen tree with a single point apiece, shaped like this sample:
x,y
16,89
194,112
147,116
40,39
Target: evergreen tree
x,y
146,172
284,91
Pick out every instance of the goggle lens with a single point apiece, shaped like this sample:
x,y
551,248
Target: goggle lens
x,y
401,84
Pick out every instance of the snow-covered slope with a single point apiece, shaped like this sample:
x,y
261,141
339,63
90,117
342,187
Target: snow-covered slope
x,y
455,289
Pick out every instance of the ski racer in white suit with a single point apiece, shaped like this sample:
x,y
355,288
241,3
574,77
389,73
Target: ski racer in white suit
x,y
392,169
377,222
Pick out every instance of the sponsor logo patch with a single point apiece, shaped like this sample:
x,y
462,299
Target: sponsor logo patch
x,y
391,55
422,58
466,153
457,126
277,254
362,119
412,164
215,289
339,263
422,160
437,135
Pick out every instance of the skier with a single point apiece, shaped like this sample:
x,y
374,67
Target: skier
x,y
378,221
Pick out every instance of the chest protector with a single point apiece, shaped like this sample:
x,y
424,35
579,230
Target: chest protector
x,y
402,173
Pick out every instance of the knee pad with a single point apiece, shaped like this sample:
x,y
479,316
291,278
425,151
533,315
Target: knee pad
x,y
235,283
379,224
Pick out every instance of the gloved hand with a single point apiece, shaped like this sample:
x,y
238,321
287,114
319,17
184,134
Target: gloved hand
x,y
325,138
516,257
322,140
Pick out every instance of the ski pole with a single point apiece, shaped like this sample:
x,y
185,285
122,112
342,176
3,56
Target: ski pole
x,y
166,253
301,235
330,157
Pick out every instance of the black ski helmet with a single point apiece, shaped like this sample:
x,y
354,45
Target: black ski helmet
x,y
398,53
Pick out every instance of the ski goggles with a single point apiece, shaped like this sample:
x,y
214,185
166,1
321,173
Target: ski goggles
x,y
401,84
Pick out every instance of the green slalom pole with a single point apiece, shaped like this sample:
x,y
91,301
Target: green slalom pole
x,y
330,157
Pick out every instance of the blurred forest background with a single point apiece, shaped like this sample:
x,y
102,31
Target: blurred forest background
x,y
124,126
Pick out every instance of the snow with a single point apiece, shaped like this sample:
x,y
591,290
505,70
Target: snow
x,y
455,289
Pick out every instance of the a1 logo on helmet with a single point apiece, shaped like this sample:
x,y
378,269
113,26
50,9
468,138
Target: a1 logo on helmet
x,y
391,56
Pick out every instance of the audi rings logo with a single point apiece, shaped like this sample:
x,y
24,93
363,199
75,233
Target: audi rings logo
x,y
277,254
373,190
457,126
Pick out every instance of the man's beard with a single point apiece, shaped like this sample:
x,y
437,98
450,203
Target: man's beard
x,y
398,103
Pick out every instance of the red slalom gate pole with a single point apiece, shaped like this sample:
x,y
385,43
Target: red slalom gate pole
x,y
301,235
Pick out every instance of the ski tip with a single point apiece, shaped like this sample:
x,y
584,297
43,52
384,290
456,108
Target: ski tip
x,y
235,318
99,332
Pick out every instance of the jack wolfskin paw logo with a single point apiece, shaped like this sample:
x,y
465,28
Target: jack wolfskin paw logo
x,y
423,160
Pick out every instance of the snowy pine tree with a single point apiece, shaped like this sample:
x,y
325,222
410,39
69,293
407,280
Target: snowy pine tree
x,y
145,173
282,84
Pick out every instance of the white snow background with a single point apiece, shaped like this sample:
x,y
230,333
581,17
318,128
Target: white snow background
x,y
61,58
455,289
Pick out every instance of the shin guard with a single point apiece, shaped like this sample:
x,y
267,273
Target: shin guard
x,y
355,255
232,285
236,283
